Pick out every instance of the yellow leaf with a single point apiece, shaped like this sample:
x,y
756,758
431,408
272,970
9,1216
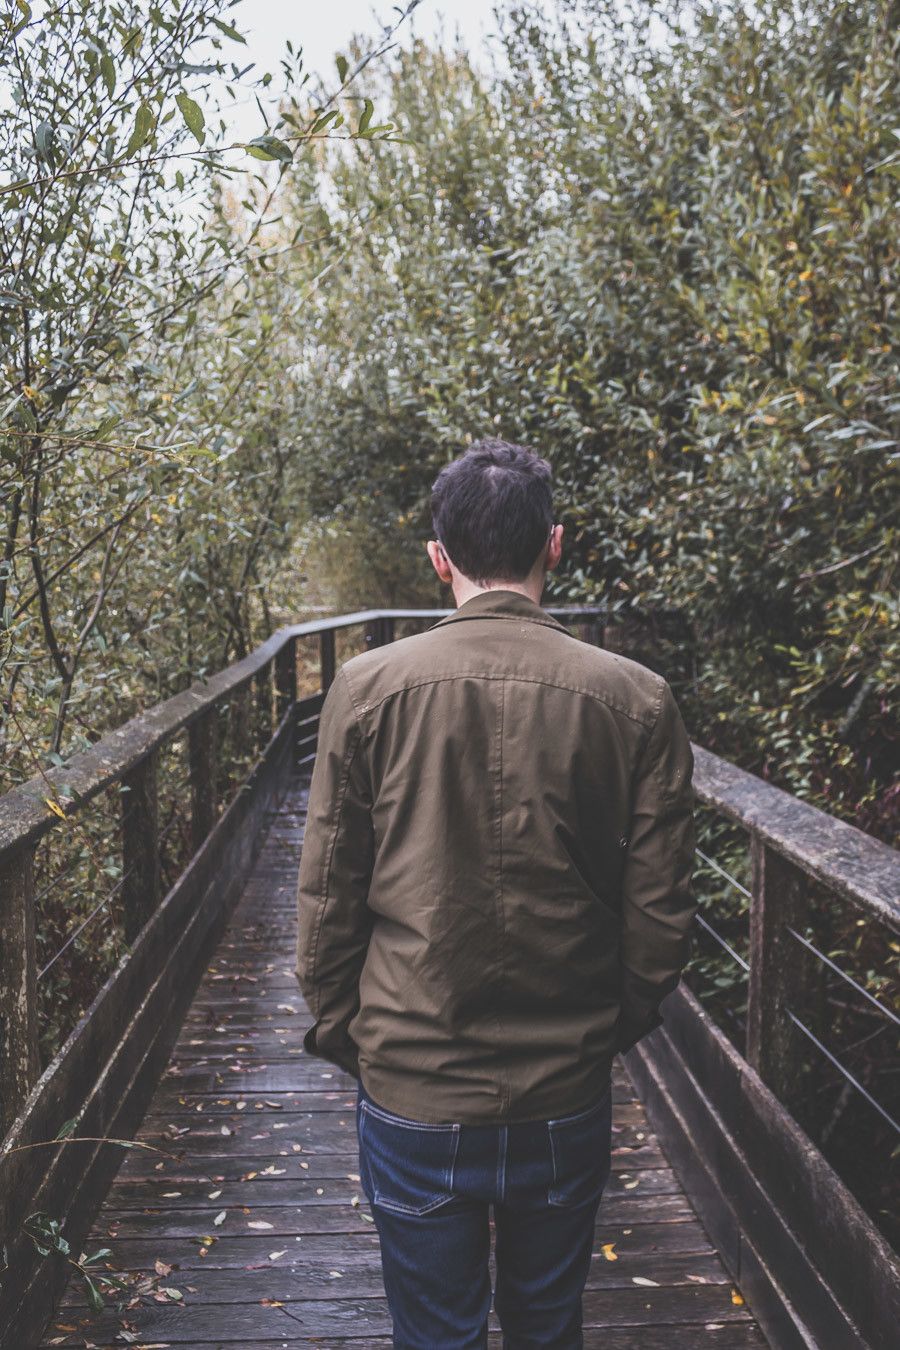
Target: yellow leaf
x,y
736,1298
805,276
55,808
608,1250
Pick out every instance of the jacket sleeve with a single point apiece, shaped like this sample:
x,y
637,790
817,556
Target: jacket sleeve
x,y
658,904
334,921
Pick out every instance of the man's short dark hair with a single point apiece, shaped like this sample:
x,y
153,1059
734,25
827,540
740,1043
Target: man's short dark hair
x,y
492,510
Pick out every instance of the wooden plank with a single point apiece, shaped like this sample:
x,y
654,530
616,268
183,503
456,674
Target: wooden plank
x,y
715,1336
692,1305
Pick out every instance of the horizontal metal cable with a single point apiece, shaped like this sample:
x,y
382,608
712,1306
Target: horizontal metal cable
x,y
722,943
722,873
832,1059
81,927
843,974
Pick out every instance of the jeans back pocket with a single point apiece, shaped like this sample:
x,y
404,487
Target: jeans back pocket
x,y
405,1165
580,1146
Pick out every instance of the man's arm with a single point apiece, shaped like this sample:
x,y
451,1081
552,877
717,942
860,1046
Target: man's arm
x,y
334,922
658,904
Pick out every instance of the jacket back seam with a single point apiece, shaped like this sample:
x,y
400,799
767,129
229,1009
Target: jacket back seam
x,y
641,720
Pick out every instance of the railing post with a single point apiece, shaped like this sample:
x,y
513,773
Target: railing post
x,y
203,754
776,970
327,663
19,1060
140,846
239,712
594,632
379,631
262,706
285,679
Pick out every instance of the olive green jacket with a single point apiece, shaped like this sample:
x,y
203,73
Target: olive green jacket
x,y
495,882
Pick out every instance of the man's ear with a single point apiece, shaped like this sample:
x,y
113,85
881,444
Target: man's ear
x,y
554,548
439,561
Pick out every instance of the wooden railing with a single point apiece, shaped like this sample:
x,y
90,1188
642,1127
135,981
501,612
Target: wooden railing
x,y
99,1079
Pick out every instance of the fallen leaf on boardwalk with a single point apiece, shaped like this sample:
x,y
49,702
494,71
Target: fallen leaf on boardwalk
x,y
298,1148
736,1297
248,1176
319,1190
171,1195
286,1007
220,1218
335,1275
241,1106
273,1171
214,1195
697,1279
305,1166
225,1130
368,1218
280,1125
642,1279
175,1295
630,1185
274,1256
270,1303
276,1106
162,1269
354,1200
260,1223
608,1250
352,1176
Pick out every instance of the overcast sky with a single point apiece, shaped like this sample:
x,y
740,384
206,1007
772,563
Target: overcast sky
x,y
322,29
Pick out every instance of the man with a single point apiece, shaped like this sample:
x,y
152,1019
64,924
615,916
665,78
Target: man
x,y
494,896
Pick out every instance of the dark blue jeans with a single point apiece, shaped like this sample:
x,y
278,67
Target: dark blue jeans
x,y
431,1188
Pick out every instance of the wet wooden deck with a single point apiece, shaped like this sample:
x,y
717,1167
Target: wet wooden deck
x,y
250,1228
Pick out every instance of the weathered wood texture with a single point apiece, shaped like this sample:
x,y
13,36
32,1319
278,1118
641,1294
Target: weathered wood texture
x,y
816,1270
256,1205
103,1076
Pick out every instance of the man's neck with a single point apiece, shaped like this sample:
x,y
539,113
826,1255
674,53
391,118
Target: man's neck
x,y
532,587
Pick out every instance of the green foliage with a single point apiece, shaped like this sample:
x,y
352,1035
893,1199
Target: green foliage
x,y
662,253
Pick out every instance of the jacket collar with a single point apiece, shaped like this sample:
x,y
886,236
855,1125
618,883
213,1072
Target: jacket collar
x,y
502,604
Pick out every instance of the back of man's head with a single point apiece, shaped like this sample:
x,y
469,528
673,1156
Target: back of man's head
x,y
492,510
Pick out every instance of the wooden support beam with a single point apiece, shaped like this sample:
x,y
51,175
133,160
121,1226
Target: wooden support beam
x,y
379,631
285,679
777,970
19,1061
327,660
262,706
203,753
141,884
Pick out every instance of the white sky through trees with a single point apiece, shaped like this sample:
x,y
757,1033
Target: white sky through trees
x,y
322,29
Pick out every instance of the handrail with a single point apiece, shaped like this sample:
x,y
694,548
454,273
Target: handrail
x,y
24,813
855,865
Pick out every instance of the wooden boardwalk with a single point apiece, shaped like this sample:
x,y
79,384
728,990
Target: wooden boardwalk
x,y
250,1228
